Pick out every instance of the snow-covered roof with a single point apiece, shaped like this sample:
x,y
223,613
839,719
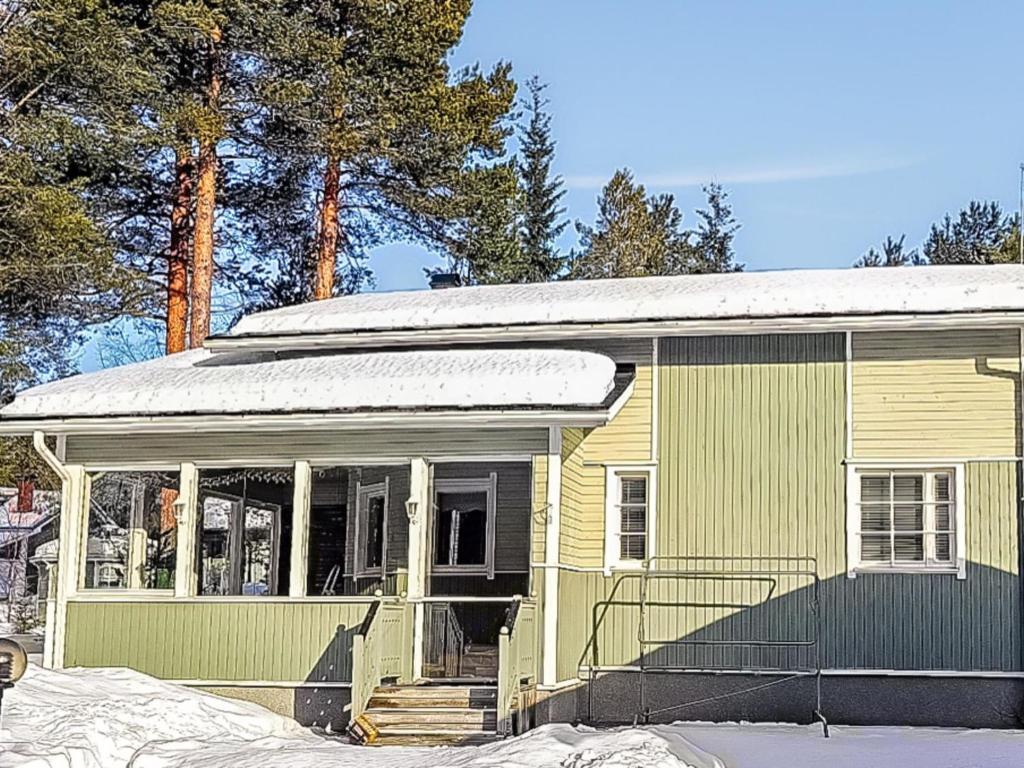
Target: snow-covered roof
x,y
793,293
201,382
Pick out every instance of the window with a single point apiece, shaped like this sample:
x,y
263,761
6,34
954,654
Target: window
x,y
905,518
133,530
328,537
629,516
243,514
371,528
464,513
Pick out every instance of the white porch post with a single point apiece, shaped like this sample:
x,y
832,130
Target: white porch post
x,y
417,509
137,539
549,670
300,529
185,583
73,540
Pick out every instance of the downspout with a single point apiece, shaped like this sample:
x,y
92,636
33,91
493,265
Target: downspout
x,y
1020,486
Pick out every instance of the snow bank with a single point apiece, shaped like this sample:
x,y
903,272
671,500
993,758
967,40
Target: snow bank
x,y
98,718
240,383
791,293
115,718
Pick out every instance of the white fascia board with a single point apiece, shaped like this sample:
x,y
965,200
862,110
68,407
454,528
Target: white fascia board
x,y
271,422
573,331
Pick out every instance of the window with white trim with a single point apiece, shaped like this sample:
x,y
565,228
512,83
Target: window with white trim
x,y
464,525
629,516
371,529
907,518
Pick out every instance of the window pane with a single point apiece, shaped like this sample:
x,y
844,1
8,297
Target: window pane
x,y
461,528
875,549
132,538
943,486
874,488
908,517
908,488
909,548
634,490
943,517
328,531
632,547
874,517
634,519
244,519
373,538
944,548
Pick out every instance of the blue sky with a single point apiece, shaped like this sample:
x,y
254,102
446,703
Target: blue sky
x,y
831,124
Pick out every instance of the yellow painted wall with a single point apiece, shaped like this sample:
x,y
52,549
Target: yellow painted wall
x,y
936,394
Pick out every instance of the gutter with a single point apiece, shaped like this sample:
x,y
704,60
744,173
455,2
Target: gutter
x,y
49,457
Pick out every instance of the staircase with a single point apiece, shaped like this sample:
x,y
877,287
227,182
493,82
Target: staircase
x,y
429,715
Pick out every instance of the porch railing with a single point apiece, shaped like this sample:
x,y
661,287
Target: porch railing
x,y
517,653
381,649
444,640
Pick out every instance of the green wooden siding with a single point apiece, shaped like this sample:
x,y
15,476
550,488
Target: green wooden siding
x,y
752,442
310,444
217,641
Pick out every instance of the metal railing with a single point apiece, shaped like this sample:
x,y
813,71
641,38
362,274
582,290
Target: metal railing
x,y
517,653
380,650
739,578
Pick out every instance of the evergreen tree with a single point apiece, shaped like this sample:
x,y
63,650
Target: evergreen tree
x,y
713,239
980,234
542,192
377,137
892,254
634,236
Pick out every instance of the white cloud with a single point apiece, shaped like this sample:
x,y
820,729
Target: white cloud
x,y
753,175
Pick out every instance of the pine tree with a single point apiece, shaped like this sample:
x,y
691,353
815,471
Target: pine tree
x,y
892,254
713,239
634,236
542,192
390,144
980,234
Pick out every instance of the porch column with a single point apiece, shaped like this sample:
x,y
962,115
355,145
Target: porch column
x,y
73,540
549,670
417,508
300,530
187,514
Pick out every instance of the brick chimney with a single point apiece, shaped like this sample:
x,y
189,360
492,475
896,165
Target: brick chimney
x,y
26,496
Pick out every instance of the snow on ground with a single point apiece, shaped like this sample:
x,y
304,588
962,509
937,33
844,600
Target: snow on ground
x,y
115,718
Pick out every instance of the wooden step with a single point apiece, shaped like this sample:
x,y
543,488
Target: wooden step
x,y
410,696
434,718
435,740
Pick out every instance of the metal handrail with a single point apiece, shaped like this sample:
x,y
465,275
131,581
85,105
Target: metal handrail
x,y
728,569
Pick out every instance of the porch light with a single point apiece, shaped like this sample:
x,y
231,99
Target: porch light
x,y
412,508
178,505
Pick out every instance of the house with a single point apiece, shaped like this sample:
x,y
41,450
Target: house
x,y
779,495
27,517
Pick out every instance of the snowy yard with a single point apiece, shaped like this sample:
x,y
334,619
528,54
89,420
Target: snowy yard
x,y
114,718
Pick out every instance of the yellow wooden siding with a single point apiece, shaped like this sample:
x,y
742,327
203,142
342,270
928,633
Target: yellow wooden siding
x,y
936,394
539,519
625,439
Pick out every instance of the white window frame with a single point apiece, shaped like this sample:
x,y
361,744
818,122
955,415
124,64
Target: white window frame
x,y
363,495
856,469
613,517
487,485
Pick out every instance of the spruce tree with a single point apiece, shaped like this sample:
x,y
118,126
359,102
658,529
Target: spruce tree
x,y
892,254
980,234
542,192
713,239
634,236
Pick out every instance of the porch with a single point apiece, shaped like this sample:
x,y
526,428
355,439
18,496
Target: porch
x,y
329,584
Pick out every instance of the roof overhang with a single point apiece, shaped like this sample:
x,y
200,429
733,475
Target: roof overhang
x,y
414,337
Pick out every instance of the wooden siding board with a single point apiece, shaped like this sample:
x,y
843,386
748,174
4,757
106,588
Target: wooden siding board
x,y
934,394
252,641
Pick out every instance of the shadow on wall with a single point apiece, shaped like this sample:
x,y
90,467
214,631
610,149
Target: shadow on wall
x,y
891,622
319,704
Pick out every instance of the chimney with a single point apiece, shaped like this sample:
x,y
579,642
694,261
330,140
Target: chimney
x,y
26,494
441,280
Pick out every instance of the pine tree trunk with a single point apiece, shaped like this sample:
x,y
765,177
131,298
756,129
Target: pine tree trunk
x,y
178,257
327,243
206,202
